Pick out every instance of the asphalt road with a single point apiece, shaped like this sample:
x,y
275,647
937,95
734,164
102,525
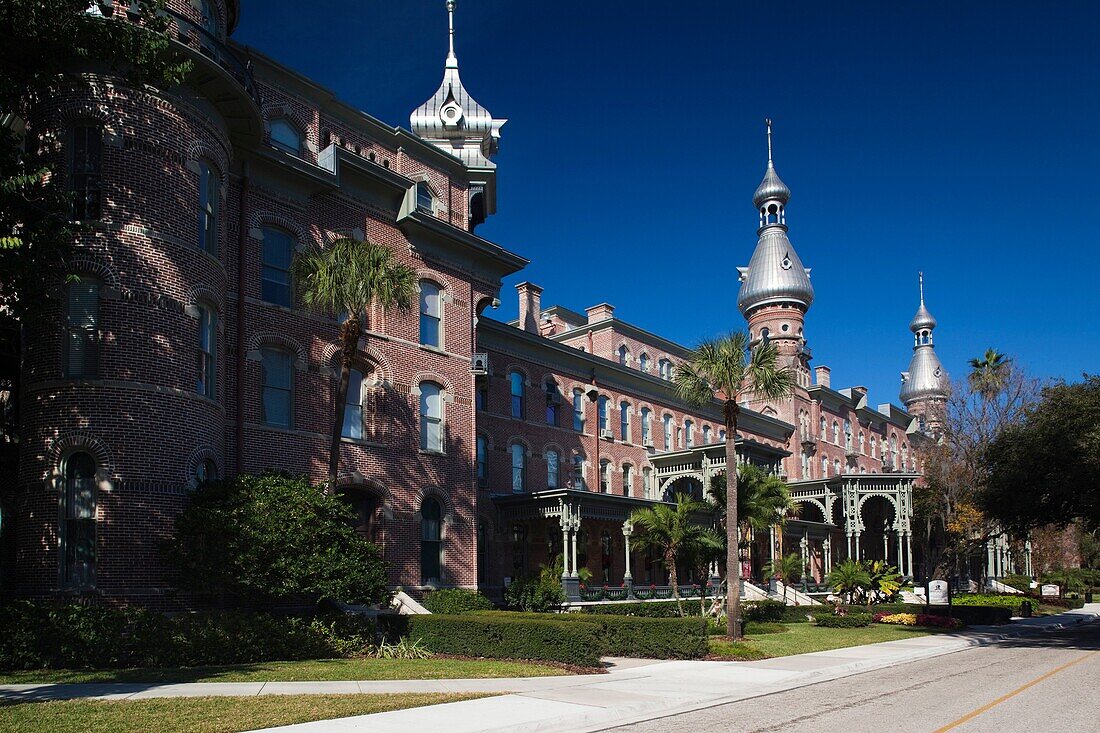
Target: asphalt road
x,y
1046,682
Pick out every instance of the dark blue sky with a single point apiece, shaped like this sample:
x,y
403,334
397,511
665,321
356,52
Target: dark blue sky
x,y
960,138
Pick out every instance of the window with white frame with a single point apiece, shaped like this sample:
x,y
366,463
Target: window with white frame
x,y
624,421
647,482
668,432
277,387
552,467
82,328
431,417
601,413
285,136
553,402
578,410
706,435
643,362
628,479
605,476
519,468
516,388
689,433
624,355
78,522
431,314
208,355
578,472
353,407
424,198
278,254
647,427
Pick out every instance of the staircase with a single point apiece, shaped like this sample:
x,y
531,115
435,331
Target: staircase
x,y
795,597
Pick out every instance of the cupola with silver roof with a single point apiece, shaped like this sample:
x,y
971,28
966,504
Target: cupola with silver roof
x,y
452,120
926,378
775,274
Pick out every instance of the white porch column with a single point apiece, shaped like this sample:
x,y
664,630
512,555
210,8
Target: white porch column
x,y
771,544
989,558
628,529
574,525
909,553
827,551
565,522
1027,558
901,558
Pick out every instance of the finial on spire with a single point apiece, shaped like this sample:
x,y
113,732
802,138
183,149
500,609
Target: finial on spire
x,y
920,276
452,60
768,124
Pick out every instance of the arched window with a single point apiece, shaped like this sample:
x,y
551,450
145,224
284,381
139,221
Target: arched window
x,y
836,433
209,206
578,472
481,393
82,328
578,410
431,314
519,468
277,387
553,402
605,476
482,449
275,275
647,482
85,159
628,479
689,433
552,467
862,443
602,413
624,355
848,435
874,448
706,435
624,421
643,362
353,407
78,522
836,467
668,432
208,353
286,137
431,542
424,198
647,419
664,367
824,467
824,430
722,435
431,417
205,472
515,383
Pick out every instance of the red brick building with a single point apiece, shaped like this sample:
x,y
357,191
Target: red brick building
x,y
473,450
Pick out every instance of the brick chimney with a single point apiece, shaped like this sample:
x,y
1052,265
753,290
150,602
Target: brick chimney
x,y
599,313
530,306
821,374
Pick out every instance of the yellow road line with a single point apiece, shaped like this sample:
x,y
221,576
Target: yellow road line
x,y
1014,693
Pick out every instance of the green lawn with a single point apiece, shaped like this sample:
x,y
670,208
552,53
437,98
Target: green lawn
x,y
801,638
434,668
201,714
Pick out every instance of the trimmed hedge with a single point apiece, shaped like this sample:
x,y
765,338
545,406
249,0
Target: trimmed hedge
x,y
450,601
47,635
851,621
651,609
763,627
506,636
634,636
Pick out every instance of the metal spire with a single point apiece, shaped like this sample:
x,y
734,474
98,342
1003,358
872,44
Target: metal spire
x,y
920,275
452,60
768,123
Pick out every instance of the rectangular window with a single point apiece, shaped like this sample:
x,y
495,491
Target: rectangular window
x,y
277,379
431,315
552,469
578,411
275,278
353,407
519,468
481,449
431,417
85,148
208,329
624,422
82,329
78,522
482,393
209,200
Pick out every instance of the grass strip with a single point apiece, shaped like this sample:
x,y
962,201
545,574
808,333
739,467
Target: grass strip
x,y
803,638
201,714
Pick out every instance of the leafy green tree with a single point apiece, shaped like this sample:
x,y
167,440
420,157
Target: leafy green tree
x,y
671,531
787,568
349,276
1046,469
850,580
727,370
254,540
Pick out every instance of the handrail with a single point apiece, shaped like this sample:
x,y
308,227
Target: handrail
x,y
197,38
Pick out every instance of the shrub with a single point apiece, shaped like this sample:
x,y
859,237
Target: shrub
x,y
975,615
918,619
764,610
834,621
1019,582
1010,601
651,609
251,540
450,601
900,619
537,595
504,636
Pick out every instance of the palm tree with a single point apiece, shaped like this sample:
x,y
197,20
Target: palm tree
x,y
787,568
726,369
350,276
763,499
850,580
672,532
708,547
988,373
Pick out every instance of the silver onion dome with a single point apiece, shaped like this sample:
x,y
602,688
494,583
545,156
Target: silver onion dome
x,y
926,378
775,274
771,188
923,320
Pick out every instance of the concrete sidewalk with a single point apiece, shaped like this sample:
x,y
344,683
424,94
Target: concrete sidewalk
x,y
634,690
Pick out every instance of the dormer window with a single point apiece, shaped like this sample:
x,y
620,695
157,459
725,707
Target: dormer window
x,y
424,198
286,137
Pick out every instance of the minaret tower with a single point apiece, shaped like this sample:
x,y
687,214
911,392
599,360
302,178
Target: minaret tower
x,y
926,386
452,121
775,288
